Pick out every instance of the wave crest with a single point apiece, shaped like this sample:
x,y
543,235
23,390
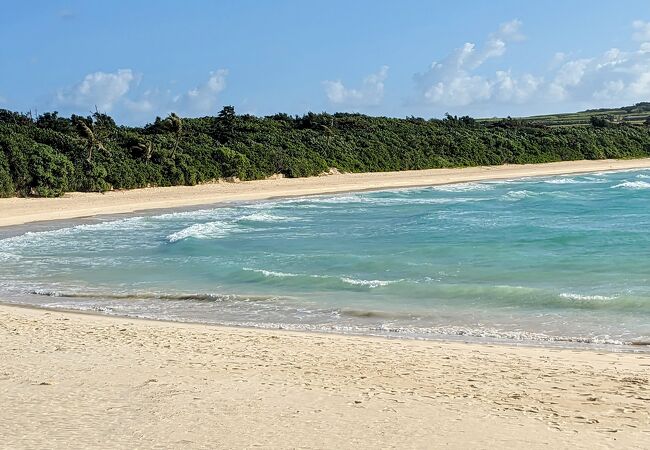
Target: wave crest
x,y
208,230
464,187
367,283
635,185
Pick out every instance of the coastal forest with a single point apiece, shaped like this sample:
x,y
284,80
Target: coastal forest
x,y
47,155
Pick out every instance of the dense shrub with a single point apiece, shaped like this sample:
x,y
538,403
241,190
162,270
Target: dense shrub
x,y
51,154
7,188
50,171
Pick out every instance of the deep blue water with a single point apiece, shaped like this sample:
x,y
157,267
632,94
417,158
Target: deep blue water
x,y
559,258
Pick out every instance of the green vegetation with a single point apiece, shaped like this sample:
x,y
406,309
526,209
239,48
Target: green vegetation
x,y
49,155
638,114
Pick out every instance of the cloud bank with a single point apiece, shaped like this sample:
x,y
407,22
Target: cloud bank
x,y
616,76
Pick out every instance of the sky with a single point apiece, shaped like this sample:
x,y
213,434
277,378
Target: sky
x,y
138,59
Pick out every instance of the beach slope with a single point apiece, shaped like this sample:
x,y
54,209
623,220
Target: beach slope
x,y
85,381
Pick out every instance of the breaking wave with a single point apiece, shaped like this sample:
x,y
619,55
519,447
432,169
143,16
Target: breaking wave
x,y
635,185
208,230
465,187
519,195
368,283
221,228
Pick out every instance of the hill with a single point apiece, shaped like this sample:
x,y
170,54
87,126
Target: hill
x,y
635,114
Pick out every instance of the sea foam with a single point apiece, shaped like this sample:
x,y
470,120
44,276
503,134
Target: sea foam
x,y
464,187
367,283
209,230
635,185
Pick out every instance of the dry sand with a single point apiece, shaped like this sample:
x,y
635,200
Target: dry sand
x,y
15,211
85,381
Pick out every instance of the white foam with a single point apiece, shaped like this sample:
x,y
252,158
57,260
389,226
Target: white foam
x,y
35,237
369,283
209,230
271,273
581,297
213,213
519,195
636,185
266,217
339,199
6,256
463,187
562,181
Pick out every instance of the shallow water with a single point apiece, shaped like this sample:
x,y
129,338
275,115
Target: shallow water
x,y
556,259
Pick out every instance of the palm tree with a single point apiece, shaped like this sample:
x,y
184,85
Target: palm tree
x,y
145,150
175,125
88,134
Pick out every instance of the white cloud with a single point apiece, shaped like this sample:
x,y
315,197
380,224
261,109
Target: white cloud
x,y
203,99
557,60
371,92
507,88
99,89
459,91
454,81
113,91
568,75
199,100
641,30
616,76
147,102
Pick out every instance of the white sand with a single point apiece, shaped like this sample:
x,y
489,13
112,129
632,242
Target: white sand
x,y
84,381
14,211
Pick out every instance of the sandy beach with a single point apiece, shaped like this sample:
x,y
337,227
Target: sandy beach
x,y
102,382
90,381
16,211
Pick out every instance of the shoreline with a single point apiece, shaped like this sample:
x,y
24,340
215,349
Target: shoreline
x,y
91,379
630,347
86,379
20,211
111,209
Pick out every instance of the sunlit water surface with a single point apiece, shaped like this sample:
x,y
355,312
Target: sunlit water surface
x,y
559,259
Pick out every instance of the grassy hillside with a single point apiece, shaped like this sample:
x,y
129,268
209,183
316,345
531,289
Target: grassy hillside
x,y
636,114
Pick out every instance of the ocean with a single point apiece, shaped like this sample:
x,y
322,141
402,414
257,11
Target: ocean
x,y
551,260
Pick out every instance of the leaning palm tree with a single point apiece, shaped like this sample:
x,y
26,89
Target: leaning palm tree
x,y
328,129
175,125
146,150
88,134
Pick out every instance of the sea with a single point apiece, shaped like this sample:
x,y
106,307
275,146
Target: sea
x,y
562,260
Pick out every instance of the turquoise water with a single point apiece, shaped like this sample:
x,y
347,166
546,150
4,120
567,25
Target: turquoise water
x,y
561,259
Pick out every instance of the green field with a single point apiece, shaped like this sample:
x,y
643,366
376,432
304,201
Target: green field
x,y
635,114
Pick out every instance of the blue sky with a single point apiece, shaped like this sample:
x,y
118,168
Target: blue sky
x,y
136,60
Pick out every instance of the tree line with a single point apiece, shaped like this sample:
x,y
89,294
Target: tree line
x,y
49,155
